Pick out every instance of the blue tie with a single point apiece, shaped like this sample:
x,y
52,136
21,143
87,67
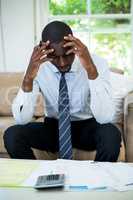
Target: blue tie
x,y
65,143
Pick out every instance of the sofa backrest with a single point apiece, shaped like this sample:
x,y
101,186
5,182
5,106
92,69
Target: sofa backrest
x,y
9,85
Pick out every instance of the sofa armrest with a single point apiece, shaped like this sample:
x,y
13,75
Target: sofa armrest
x,y
128,126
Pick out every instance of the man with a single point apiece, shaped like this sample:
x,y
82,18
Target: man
x,y
78,101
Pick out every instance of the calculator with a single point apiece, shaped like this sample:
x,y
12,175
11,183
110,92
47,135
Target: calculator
x,y
50,181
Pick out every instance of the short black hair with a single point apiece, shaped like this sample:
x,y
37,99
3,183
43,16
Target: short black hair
x,y
55,31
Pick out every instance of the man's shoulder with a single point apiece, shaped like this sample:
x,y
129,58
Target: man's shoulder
x,y
100,62
98,59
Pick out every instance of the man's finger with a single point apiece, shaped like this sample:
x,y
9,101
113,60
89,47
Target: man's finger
x,y
48,51
45,60
42,56
70,51
42,53
42,59
39,48
43,45
38,58
72,38
69,44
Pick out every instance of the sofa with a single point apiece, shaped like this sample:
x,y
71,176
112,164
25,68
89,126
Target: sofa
x,y
9,85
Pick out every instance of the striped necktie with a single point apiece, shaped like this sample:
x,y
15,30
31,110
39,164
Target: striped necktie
x,y
65,143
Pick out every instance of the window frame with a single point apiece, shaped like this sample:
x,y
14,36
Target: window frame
x,y
43,18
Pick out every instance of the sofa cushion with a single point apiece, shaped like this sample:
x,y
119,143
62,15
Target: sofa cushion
x,y
78,154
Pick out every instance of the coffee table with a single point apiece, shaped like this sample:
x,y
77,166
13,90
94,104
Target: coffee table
x,y
31,194
58,194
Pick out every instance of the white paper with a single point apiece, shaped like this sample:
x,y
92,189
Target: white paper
x,y
94,175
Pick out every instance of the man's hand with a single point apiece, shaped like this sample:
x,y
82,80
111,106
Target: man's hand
x,y
79,49
38,56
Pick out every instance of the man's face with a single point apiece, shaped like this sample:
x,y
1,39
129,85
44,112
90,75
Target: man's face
x,y
62,61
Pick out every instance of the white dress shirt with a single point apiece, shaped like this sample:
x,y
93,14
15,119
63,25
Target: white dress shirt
x,y
88,98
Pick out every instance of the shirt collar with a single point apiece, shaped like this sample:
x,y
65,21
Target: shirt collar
x,y
74,67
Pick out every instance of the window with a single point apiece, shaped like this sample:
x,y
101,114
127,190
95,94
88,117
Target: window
x,y
104,26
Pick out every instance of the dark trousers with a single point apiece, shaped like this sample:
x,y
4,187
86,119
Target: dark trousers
x,y
86,135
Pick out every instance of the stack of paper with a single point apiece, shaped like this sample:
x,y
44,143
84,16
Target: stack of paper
x,y
79,175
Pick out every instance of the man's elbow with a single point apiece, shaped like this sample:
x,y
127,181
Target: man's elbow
x,y
21,117
22,120
107,117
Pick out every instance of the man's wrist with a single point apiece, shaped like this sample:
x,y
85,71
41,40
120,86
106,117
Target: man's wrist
x,y
91,71
27,84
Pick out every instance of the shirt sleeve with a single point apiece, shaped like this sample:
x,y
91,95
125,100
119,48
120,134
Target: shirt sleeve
x,y
101,102
24,104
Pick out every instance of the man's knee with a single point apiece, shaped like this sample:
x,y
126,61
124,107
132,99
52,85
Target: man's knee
x,y
109,140
109,133
11,137
11,132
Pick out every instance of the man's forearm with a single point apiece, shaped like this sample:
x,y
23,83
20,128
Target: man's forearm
x,y
27,84
91,70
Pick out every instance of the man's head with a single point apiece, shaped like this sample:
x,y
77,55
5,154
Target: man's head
x,y
55,32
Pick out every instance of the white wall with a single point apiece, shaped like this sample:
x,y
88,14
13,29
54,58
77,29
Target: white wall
x,y
1,54
18,34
